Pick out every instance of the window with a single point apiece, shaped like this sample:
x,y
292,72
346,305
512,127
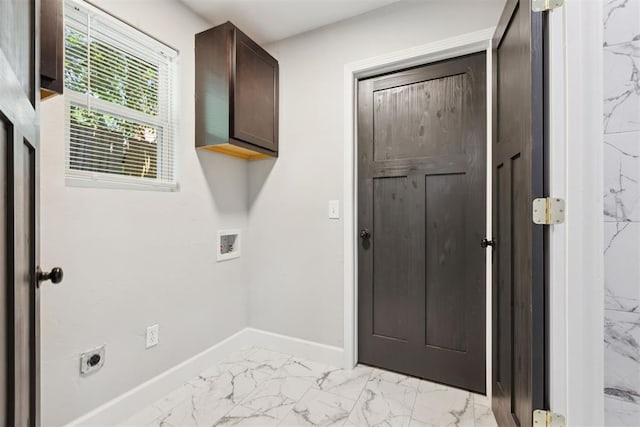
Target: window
x,y
119,85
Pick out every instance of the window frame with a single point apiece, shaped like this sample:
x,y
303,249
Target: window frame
x,y
165,120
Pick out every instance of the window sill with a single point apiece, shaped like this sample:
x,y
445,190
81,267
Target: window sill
x,y
93,182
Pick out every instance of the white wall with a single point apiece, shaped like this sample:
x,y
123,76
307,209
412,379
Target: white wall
x,y
621,162
295,253
136,258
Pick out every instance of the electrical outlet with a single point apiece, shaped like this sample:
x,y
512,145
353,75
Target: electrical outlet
x,y
92,360
153,336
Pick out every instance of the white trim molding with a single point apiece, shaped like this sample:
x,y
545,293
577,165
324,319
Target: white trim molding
x,y
557,233
298,347
479,41
584,244
136,399
576,261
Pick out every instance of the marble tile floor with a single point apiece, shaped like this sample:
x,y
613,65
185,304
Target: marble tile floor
x,y
258,387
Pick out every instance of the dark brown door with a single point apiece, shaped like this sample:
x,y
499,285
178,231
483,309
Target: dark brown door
x,y
19,86
518,178
421,214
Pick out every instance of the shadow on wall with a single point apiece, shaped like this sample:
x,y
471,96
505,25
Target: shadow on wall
x,y
227,181
259,171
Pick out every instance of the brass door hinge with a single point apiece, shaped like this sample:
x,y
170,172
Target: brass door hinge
x,y
548,210
543,418
544,5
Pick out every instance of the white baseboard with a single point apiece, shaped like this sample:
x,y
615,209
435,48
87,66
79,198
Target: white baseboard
x,y
127,404
309,350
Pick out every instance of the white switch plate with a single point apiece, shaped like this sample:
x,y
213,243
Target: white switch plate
x,y
153,333
334,209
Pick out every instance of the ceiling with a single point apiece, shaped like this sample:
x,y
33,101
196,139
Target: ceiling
x,y
269,20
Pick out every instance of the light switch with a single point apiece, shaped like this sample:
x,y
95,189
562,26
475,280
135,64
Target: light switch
x,y
334,209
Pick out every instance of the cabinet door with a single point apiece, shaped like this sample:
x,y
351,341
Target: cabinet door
x,y
51,45
255,106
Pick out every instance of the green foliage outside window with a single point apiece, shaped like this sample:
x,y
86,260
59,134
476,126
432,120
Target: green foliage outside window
x,y
103,142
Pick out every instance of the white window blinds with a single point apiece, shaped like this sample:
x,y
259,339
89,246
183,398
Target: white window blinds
x,y
120,96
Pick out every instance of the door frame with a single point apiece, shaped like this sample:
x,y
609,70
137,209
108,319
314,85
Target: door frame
x,y
474,42
576,262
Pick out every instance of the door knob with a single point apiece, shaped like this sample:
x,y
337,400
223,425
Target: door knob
x,y
485,242
55,275
365,234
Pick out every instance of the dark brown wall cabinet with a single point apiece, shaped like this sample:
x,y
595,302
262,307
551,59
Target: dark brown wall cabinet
x,y
51,48
236,94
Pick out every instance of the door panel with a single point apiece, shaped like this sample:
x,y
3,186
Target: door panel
x,y
409,125
17,42
502,277
521,324
4,289
24,281
391,257
446,252
519,381
421,194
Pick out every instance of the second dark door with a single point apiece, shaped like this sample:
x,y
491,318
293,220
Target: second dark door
x,y
519,288
421,215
